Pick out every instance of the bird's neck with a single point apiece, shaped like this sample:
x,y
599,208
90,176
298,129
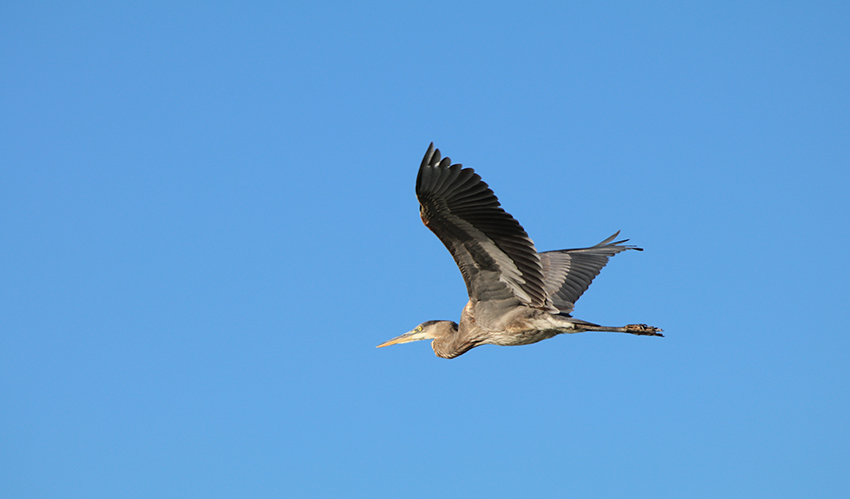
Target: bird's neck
x,y
445,339
453,341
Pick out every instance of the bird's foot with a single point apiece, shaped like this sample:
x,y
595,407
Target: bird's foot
x,y
644,330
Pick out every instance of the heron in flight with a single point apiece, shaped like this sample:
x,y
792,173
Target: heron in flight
x,y
517,296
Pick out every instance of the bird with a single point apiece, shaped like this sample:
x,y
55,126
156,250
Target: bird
x,y
517,296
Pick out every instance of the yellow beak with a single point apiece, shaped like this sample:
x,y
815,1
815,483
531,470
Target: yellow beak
x,y
407,337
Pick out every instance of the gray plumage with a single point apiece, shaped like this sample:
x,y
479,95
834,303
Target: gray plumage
x,y
516,295
568,273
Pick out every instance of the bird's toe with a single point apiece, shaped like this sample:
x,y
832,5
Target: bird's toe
x,y
644,330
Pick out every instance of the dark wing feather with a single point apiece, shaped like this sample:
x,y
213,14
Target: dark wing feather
x,y
568,273
495,255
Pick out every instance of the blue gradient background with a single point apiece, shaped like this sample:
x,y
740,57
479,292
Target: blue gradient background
x,y
207,223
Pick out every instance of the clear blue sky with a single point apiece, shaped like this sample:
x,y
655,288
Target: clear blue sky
x,y
208,221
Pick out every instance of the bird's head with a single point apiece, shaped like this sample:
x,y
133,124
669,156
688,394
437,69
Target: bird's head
x,y
428,330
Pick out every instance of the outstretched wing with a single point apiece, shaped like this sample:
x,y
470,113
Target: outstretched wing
x,y
496,257
568,273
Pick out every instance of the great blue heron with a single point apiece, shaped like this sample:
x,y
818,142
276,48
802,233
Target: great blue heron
x,y
517,296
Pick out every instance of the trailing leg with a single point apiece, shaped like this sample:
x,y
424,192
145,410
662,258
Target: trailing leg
x,y
638,329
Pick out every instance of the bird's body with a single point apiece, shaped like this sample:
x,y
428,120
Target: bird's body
x,y
521,326
516,295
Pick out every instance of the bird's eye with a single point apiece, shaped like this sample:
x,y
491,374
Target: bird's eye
x,y
419,328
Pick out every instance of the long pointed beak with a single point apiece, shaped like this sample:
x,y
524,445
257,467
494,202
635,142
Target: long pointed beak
x,y
395,341
407,338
